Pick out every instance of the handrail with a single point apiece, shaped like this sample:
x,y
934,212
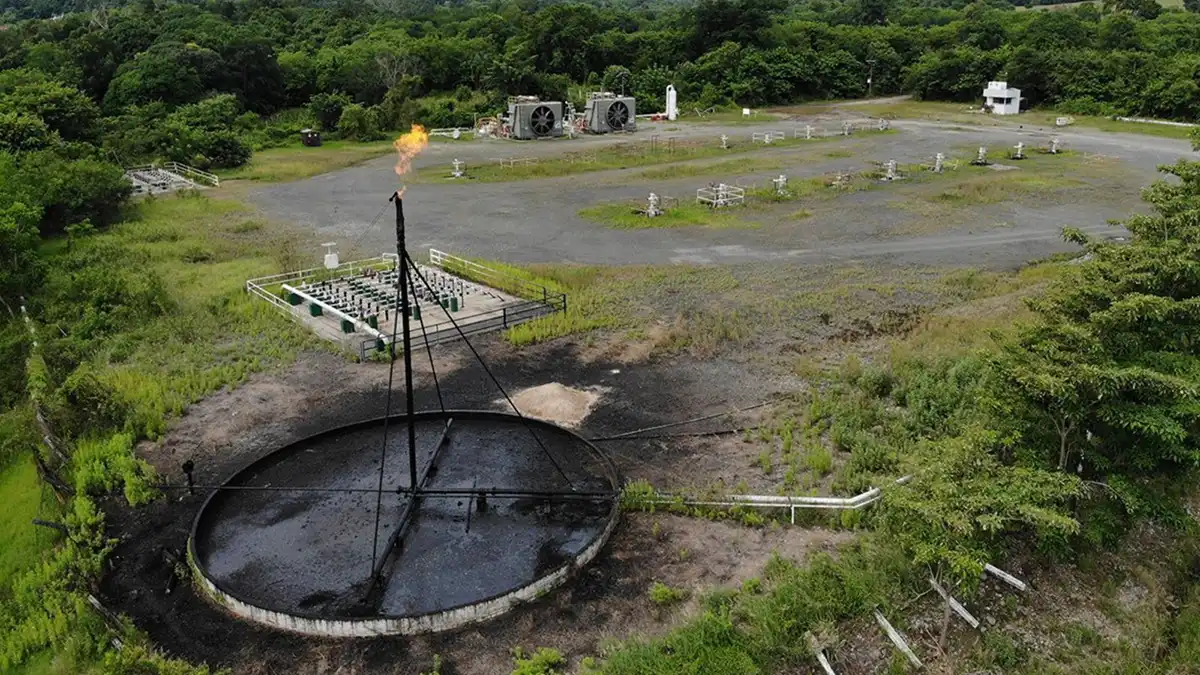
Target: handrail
x,y
781,501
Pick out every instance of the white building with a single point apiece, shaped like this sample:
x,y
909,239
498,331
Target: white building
x,y
1002,99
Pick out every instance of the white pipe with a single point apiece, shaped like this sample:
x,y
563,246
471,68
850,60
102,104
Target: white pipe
x,y
778,501
825,663
334,310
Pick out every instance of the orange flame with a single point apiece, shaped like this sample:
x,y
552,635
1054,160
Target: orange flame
x,y
408,146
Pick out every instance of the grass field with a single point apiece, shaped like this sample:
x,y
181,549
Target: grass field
x,y
959,113
296,161
23,501
211,334
624,156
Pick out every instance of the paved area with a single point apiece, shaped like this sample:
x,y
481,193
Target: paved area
x,y
538,221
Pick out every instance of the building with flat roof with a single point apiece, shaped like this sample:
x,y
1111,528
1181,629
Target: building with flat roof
x,y
1002,99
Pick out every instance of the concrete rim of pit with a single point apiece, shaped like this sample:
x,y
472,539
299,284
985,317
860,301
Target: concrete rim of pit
x,y
442,620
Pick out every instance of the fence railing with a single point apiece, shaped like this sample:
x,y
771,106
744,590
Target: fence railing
x,y
193,174
488,276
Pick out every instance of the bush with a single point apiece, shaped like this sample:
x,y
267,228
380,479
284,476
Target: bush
x,y
358,124
663,595
544,661
221,150
326,109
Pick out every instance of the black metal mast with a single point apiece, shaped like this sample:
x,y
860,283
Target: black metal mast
x,y
406,343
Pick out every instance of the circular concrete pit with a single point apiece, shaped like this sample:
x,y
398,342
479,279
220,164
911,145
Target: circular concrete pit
x,y
298,554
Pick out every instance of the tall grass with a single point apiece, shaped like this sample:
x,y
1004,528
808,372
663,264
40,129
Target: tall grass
x,y
766,628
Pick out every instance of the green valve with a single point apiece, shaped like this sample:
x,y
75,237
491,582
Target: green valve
x,y
314,309
379,345
445,303
373,321
416,313
454,304
293,299
347,326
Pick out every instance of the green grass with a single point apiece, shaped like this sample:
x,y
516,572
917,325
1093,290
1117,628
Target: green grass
x,y
296,162
729,167
210,335
1108,124
629,155
623,217
157,368
958,113
727,116
23,542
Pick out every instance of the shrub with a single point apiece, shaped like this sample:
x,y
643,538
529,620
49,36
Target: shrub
x,y
326,109
356,123
663,595
544,661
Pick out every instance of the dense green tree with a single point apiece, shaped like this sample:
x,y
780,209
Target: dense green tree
x,y
172,72
356,123
23,133
327,109
21,267
1112,363
964,505
64,109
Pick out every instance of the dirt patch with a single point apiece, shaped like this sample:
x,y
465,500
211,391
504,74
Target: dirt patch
x,y
695,556
556,402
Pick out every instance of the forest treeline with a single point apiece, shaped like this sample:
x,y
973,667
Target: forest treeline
x,y
207,83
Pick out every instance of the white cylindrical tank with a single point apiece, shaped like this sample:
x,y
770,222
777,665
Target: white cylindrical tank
x,y
672,104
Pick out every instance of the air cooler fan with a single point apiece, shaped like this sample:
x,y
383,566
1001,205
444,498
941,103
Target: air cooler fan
x,y
536,119
607,112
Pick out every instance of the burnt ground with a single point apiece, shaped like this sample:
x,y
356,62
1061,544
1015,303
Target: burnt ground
x,y
608,599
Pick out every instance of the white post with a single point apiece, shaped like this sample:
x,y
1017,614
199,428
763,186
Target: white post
x,y
846,128
981,157
672,103
954,604
897,639
825,663
1054,145
891,170
1020,154
1005,577
652,209
458,169
808,132
780,184
939,161
724,142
